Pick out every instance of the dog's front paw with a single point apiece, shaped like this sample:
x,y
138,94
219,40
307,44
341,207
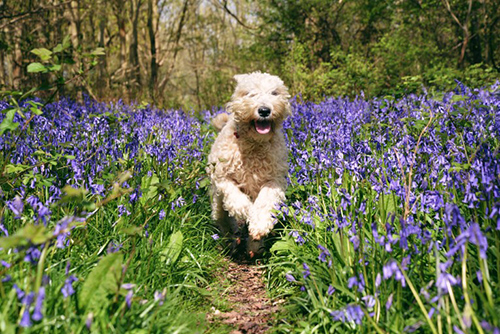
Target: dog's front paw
x,y
238,207
260,224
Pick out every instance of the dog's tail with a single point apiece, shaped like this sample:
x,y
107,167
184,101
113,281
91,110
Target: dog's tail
x,y
219,121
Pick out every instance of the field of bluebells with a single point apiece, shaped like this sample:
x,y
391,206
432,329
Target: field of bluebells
x,y
392,219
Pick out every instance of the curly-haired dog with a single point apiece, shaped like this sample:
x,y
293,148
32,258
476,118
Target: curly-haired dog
x,y
248,161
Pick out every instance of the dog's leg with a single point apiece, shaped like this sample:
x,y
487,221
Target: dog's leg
x,y
260,220
236,203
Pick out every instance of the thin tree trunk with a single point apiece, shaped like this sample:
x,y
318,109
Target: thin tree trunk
x,y
17,64
152,11
135,71
177,39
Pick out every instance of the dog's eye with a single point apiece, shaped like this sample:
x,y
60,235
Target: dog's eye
x,y
275,92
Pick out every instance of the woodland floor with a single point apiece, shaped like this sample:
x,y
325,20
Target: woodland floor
x,y
248,310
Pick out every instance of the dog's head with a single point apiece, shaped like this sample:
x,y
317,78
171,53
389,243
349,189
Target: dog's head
x,y
259,104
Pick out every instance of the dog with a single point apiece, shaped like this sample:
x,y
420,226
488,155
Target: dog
x,y
247,163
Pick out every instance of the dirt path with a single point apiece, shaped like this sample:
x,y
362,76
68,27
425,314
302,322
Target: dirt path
x,y
251,311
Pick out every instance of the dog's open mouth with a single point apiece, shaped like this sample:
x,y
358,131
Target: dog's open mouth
x,y
263,126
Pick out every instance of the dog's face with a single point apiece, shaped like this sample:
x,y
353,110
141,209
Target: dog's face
x,y
259,104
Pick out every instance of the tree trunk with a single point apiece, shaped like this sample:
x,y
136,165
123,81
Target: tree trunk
x,y
17,64
152,12
135,71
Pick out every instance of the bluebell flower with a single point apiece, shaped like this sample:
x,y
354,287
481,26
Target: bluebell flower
x,y
391,269
388,303
89,320
306,271
27,301
16,206
37,313
444,280
356,281
4,230
19,291
324,253
369,301
122,209
289,277
68,290
114,247
338,315
330,290
298,237
354,313
160,296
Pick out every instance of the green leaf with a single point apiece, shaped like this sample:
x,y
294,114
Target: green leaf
x,y
42,53
16,168
36,68
103,280
282,246
35,234
55,68
98,52
173,250
149,187
35,107
8,123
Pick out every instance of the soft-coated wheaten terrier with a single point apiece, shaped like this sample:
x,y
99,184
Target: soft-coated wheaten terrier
x,y
248,161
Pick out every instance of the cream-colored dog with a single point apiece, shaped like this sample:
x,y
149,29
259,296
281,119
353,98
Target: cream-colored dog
x,y
248,161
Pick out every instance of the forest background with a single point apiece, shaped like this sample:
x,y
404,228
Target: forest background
x,y
183,53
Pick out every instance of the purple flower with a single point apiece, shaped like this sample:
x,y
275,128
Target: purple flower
x,y
354,313
4,230
358,282
68,290
215,236
27,301
290,278
89,320
160,296
37,313
338,315
298,238
473,235
114,247
306,271
369,301
122,209
330,290
16,206
128,298
392,269
19,291
25,319
130,293
444,281
324,253
388,303
162,214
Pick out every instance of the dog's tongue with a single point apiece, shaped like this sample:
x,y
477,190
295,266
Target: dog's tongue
x,y
263,127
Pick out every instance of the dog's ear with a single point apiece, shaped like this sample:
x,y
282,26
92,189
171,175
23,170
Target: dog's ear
x,y
240,77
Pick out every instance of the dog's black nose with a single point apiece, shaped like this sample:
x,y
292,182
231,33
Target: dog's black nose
x,y
264,111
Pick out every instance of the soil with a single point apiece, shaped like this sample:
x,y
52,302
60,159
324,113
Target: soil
x,y
250,309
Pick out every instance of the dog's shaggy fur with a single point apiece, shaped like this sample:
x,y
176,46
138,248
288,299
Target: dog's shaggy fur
x,y
248,161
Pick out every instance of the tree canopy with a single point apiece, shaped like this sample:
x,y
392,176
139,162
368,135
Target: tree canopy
x,y
183,53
